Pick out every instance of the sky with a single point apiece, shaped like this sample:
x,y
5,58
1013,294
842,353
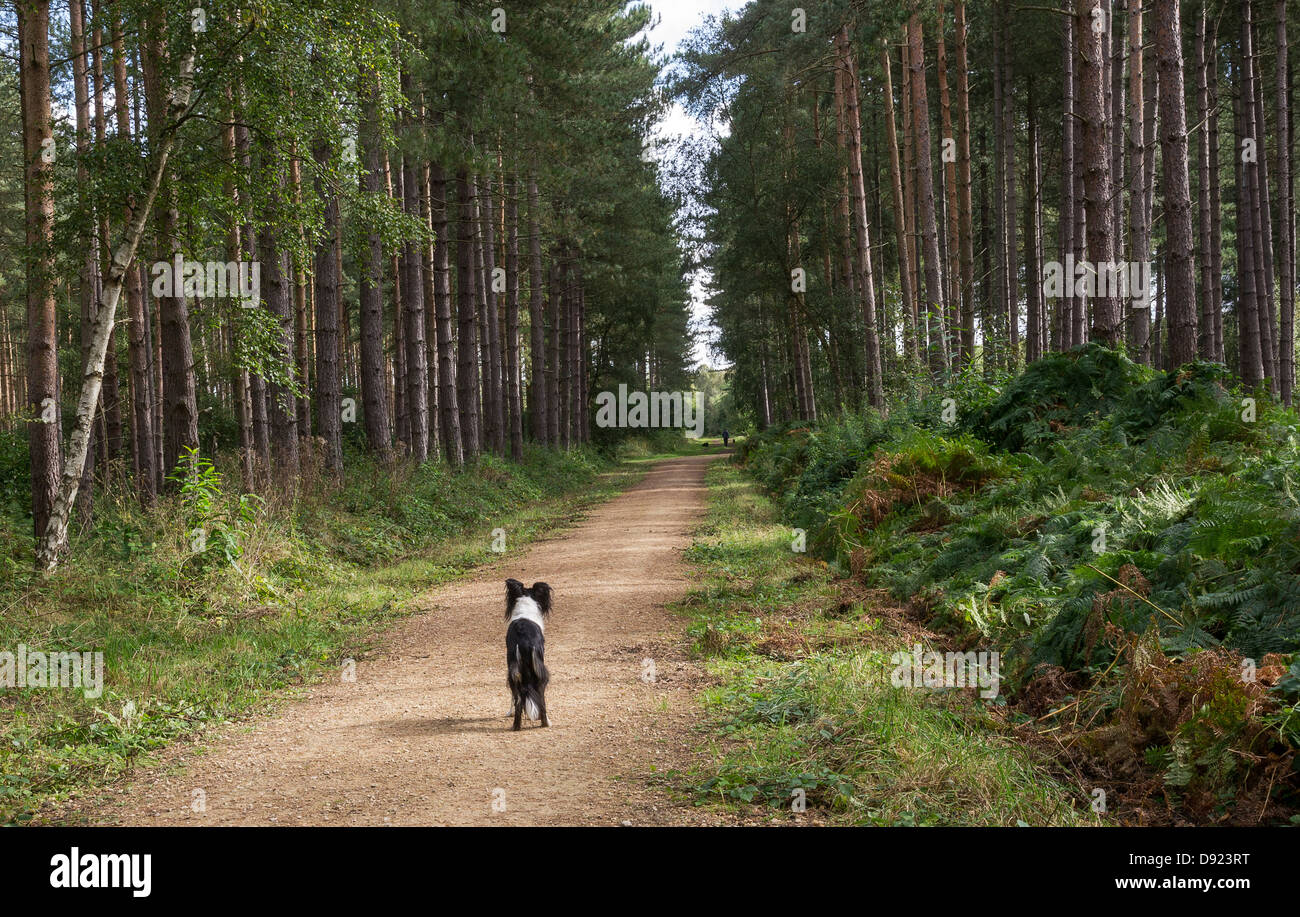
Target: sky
x,y
675,19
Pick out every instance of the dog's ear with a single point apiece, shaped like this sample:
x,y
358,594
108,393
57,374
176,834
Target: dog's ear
x,y
514,589
542,596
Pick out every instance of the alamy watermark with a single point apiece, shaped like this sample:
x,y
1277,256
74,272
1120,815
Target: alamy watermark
x,y
1124,279
916,668
209,279
30,668
684,410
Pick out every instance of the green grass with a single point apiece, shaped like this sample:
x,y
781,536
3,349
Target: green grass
x,y
296,587
803,699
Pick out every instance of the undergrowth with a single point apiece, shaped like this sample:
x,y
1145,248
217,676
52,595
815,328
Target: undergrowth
x,y
803,711
1110,529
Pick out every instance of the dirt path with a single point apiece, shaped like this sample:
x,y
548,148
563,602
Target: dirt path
x,y
422,736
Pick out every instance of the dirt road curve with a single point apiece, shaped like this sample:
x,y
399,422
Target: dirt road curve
x,y
422,736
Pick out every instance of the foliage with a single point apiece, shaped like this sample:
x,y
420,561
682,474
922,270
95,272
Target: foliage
x,y
1159,504
1060,392
803,709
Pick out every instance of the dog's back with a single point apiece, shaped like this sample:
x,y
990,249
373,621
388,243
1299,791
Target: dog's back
x,y
527,609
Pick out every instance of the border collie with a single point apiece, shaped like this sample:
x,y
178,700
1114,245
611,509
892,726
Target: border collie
x,y
526,610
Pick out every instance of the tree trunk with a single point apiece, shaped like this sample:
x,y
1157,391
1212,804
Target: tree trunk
x,y
573,425
1065,324
964,210
1011,259
301,322
1139,318
494,396
915,315
1205,336
180,421
467,374
1216,223
89,279
1096,166
1250,356
1264,233
514,399
555,311
329,394
996,337
1033,270
282,409
1116,120
953,238
39,150
1286,239
1082,303
234,252
452,443
1180,279
934,291
258,462
896,181
487,418
865,279
370,284
537,403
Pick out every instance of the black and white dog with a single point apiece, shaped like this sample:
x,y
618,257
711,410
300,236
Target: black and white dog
x,y
527,610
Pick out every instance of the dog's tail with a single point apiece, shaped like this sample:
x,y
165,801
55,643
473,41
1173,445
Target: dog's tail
x,y
531,677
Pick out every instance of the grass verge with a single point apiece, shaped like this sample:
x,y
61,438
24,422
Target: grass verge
x,y
803,708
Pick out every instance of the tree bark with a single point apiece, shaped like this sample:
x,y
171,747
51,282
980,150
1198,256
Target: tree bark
x,y
452,442
1139,317
494,396
1064,334
467,371
1205,336
329,393
953,238
180,420
514,398
1033,270
1011,259
39,153
865,279
1216,223
1180,280
1264,233
1286,239
936,306
537,404
904,242
282,408
1096,166
1250,355
88,281
370,284
964,211
555,311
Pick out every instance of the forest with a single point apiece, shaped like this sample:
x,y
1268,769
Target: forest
x,y
307,310
270,230
1010,294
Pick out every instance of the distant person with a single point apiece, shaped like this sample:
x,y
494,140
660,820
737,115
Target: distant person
x,y
726,438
